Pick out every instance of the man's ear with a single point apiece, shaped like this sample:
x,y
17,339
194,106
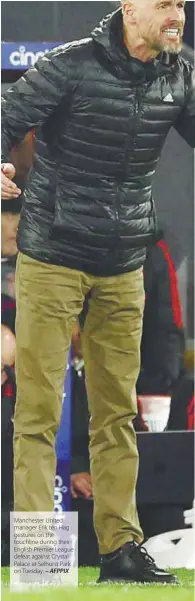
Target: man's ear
x,y
128,10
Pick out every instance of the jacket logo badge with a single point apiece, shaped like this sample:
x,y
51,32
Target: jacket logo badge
x,y
168,98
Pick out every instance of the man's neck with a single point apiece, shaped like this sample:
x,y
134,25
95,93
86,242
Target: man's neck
x,y
138,49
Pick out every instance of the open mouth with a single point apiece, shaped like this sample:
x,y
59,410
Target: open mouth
x,y
172,33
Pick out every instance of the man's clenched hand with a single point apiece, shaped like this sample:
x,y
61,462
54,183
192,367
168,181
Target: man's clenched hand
x,y
8,188
81,484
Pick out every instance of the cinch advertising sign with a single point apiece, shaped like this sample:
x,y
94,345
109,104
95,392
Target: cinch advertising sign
x,y
23,55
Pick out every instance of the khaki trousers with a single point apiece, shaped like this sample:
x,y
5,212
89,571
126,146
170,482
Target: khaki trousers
x,y
49,299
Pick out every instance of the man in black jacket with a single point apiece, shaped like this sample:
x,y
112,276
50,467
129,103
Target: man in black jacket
x,y
101,109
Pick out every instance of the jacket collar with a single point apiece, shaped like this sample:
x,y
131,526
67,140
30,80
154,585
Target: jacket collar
x,y
109,37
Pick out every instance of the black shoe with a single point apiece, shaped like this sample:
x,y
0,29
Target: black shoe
x,y
131,563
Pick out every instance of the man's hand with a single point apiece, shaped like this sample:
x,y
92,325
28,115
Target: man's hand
x,y
8,188
81,485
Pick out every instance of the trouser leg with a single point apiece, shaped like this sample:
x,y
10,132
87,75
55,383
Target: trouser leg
x,y
49,298
111,344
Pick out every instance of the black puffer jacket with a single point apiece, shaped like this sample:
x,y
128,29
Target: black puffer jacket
x,y
101,118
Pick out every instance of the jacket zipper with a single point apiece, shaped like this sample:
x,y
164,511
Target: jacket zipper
x,y
137,101
136,106
136,113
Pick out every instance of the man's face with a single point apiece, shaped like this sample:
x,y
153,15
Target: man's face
x,y
160,23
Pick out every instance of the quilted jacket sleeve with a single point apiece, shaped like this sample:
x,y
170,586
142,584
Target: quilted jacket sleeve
x,y
32,99
185,124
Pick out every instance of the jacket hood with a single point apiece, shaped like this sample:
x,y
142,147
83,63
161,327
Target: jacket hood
x,y
109,37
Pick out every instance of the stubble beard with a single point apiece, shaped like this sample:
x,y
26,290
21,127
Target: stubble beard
x,y
169,47
159,45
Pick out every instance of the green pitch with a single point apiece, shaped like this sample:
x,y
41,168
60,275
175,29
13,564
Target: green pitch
x,y
89,591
